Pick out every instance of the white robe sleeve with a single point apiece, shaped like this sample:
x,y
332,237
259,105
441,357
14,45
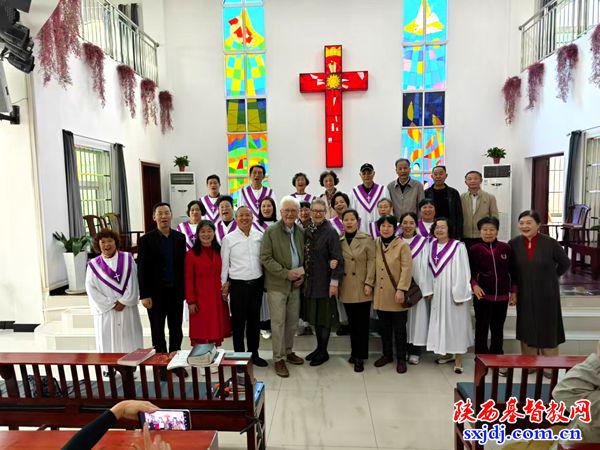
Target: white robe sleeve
x,y
225,254
425,275
461,275
131,296
241,201
98,300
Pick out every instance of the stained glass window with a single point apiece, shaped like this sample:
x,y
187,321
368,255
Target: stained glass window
x,y
424,84
245,89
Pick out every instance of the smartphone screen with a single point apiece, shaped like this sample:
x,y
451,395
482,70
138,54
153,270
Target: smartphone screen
x,y
167,419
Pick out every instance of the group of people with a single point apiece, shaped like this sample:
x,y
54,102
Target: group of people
x,y
413,259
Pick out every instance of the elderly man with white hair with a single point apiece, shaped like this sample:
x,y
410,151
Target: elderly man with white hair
x,y
282,256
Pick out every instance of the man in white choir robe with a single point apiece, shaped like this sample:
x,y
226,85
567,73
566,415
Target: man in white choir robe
x,y
254,193
209,201
365,196
226,223
112,287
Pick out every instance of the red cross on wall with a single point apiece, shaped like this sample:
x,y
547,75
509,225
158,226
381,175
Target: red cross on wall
x,y
334,82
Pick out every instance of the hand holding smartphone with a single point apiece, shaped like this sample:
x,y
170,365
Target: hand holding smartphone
x,y
167,419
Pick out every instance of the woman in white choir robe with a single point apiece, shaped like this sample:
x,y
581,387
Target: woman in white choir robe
x,y
427,216
450,327
340,203
195,211
417,324
266,217
300,182
112,287
227,223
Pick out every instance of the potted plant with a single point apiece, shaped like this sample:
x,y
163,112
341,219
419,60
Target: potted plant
x,y
496,153
182,162
75,260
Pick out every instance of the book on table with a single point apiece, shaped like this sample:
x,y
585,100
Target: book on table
x,y
182,359
136,357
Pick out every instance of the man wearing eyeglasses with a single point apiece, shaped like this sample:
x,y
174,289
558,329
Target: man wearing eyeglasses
x,y
282,256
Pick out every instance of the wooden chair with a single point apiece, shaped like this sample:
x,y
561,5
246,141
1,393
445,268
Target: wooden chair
x,y
573,229
94,224
589,247
128,243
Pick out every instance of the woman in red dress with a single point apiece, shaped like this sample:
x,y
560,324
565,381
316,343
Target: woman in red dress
x,y
209,313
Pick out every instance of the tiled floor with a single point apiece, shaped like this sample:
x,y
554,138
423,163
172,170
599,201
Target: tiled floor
x,y
332,407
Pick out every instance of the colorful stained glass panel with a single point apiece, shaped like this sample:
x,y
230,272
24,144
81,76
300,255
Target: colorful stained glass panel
x,y
235,184
235,77
233,29
257,151
237,159
435,67
412,68
257,75
434,148
412,109
257,114
434,108
412,147
437,20
236,116
254,21
424,16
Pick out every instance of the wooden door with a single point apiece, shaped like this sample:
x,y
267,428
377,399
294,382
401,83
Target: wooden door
x,y
151,191
540,187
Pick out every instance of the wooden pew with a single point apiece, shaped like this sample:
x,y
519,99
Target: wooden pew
x,y
81,393
481,390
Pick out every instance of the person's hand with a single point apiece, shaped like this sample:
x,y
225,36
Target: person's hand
x,y
298,282
225,289
399,297
149,444
513,299
129,409
333,291
193,308
147,303
333,264
368,290
292,275
119,306
478,292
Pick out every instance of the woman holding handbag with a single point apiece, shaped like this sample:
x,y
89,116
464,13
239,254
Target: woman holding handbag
x,y
393,276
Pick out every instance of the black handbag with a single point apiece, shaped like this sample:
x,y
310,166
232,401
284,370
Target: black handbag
x,y
413,294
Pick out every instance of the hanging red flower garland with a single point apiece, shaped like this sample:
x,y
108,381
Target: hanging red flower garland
x,y
535,80
165,100
566,60
512,94
148,96
94,58
127,82
595,39
57,39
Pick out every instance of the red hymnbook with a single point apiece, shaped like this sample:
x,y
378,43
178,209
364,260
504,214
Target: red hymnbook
x,y
136,357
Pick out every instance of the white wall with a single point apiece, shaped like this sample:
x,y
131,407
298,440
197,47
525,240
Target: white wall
x,y
481,39
77,109
20,260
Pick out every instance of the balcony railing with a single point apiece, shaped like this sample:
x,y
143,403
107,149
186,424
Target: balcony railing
x,y
121,39
557,23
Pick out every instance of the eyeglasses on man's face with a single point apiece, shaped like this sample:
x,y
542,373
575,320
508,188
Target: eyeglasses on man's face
x,y
318,211
289,211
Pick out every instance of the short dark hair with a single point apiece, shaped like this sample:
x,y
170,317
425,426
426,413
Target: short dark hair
x,y
389,219
213,177
260,214
197,248
105,233
426,201
353,212
399,160
158,205
304,204
488,221
259,166
473,171
411,214
298,175
440,167
531,213
225,198
340,194
336,180
441,219
385,199
196,202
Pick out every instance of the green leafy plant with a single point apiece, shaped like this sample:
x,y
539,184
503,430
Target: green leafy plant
x,y
495,152
181,161
74,245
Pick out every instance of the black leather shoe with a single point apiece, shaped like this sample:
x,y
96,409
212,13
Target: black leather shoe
x,y
259,362
401,367
352,360
383,361
359,365
312,354
320,359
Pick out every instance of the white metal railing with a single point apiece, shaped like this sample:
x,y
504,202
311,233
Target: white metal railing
x,y
104,25
557,23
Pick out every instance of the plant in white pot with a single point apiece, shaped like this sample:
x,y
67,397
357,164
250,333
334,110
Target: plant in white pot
x,y
75,260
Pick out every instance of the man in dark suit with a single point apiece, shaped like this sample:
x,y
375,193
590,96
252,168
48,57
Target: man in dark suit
x,y
446,200
161,257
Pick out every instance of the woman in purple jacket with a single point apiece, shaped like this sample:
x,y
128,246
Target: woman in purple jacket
x,y
491,264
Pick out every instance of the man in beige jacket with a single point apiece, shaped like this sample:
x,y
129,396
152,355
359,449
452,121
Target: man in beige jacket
x,y
476,204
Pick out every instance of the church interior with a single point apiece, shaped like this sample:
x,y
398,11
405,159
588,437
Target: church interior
x,y
109,107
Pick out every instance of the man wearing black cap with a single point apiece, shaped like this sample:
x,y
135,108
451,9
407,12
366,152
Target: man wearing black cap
x,y
365,196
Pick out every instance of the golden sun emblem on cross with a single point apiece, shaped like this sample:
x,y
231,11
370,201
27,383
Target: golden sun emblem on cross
x,y
334,81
